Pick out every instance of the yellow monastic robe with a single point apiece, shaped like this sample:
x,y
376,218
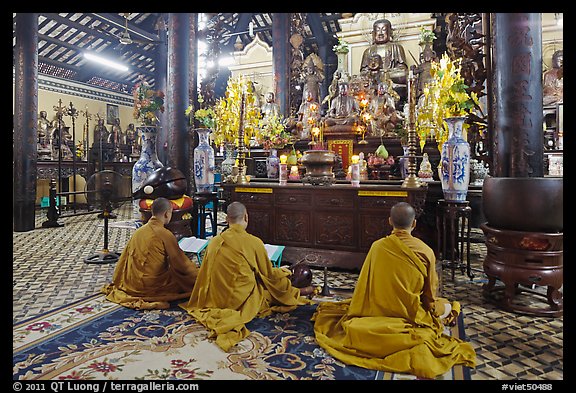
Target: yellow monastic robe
x,y
385,325
237,283
152,270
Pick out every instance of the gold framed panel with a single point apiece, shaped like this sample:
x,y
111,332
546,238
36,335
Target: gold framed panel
x,y
343,147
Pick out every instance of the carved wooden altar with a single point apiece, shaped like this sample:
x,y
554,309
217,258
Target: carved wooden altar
x,y
335,225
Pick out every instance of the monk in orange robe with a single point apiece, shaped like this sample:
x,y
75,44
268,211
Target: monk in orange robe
x,y
394,322
152,270
238,283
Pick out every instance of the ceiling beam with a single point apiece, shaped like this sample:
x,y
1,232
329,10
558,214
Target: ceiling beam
x,y
120,23
94,33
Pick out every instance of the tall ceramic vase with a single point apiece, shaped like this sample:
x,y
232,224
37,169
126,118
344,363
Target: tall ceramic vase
x,y
229,159
454,167
204,162
148,161
272,164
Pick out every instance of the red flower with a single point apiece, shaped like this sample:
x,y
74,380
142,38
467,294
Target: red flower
x,y
39,326
103,367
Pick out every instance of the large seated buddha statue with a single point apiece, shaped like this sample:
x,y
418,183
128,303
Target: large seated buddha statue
x,y
392,54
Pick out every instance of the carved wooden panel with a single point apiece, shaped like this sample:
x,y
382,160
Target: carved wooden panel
x,y
293,199
260,224
335,229
293,226
339,222
373,227
379,202
248,198
334,199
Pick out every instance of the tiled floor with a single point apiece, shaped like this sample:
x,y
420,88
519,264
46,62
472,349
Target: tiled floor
x,y
49,271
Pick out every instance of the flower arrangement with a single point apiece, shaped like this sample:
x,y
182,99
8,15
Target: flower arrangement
x,y
272,133
227,113
205,115
147,102
426,36
341,47
444,96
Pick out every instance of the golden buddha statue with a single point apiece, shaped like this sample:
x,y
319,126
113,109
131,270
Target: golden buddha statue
x,y
392,54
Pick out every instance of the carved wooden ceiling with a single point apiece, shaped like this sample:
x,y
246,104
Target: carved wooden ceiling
x,y
133,39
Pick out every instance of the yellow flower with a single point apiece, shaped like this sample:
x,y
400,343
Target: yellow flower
x,y
444,96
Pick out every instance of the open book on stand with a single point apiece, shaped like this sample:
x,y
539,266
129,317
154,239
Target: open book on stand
x,y
192,244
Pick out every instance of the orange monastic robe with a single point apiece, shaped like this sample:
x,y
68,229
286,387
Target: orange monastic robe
x,y
237,283
391,322
152,270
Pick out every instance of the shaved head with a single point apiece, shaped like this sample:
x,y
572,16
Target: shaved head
x,y
235,212
160,206
402,215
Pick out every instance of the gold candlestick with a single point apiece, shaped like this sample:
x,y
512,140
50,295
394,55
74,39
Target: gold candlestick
x,y
241,179
411,180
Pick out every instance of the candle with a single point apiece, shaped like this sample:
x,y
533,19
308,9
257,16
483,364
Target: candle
x,y
294,174
355,159
283,173
283,159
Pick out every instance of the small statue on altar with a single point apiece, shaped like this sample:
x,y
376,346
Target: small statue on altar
x,y
344,109
60,129
308,116
392,54
373,74
553,80
131,135
425,172
44,142
100,131
383,108
312,77
270,108
363,166
332,89
115,137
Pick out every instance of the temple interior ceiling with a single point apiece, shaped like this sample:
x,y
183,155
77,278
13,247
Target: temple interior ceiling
x,y
135,38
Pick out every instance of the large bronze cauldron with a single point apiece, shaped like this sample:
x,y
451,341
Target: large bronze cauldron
x,y
532,204
318,164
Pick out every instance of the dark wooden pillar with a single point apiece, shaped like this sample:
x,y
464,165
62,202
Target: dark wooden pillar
x,y
177,96
25,122
161,76
280,60
516,96
192,98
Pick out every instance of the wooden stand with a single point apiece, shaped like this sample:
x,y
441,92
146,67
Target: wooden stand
x,y
453,225
523,260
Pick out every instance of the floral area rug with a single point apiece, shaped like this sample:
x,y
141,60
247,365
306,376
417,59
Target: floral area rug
x,y
94,339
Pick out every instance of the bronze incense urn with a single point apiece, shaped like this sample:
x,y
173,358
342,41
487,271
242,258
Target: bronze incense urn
x,y
318,164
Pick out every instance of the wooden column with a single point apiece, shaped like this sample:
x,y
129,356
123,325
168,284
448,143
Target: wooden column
x,y
177,96
516,96
161,77
25,121
280,60
192,138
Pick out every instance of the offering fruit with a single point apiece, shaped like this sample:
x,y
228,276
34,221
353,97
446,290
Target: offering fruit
x,y
382,152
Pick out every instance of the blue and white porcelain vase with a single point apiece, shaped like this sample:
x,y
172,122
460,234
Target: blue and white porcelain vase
x,y
272,164
229,160
204,162
148,161
454,167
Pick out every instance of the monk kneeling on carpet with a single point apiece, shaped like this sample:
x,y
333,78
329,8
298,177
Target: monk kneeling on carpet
x,y
152,270
394,322
237,283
